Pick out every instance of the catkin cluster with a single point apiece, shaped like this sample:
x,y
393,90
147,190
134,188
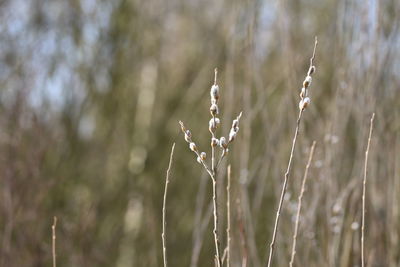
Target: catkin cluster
x,y
213,125
201,157
305,99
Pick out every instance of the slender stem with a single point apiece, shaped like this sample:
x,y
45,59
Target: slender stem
x,y
278,212
285,183
313,54
228,216
213,152
213,175
212,133
215,76
163,235
219,161
53,230
364,190
215,214
215,230
296,227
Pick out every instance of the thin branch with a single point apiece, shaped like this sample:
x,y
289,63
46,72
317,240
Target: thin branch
x,y
234,130
213,175
211,172
163,235
299,204
200,235
215,230
278,212
287,173
364,189
313,55
212,133
220,160
228,216
215,76
53,230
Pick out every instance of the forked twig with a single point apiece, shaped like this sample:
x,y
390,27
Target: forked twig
x,y
296,227
223,143
163,235
364,189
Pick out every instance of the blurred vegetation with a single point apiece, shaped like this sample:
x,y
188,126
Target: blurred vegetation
x,y
91,94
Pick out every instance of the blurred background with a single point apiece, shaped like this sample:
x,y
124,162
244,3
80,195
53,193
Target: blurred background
x,y
91,92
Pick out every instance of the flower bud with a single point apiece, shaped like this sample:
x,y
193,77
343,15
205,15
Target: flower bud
x,y
222,142
203,155
188,136
304,103
199,160
182,126
232,135
214,142
213,124
235,124
311,70
214,109
307,82
193,147
214,92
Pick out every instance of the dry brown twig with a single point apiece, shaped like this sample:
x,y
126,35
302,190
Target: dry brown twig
x,y
364,190
164,224
296,227
304,102
53,233
223,143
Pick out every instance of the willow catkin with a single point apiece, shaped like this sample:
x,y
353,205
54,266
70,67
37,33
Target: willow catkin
x,y
216,142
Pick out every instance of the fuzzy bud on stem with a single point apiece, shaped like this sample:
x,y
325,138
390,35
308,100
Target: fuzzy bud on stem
x,y
214,142
193,147
232,135
214,93
213,124
235,128
223,143
303,104
307,82
214,109
311,70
